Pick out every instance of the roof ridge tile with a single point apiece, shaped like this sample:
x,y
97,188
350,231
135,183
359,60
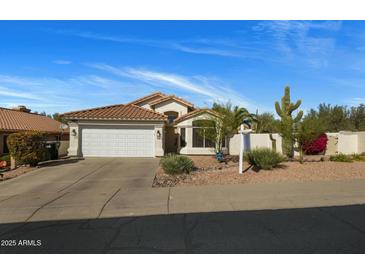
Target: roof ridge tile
x,y
144,98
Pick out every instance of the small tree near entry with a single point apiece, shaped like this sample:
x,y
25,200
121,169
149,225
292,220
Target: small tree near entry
x,y
224,123
288,124
27,147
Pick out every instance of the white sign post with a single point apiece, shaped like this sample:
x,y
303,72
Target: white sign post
x,y
243,132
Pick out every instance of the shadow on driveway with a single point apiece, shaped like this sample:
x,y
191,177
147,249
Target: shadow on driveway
x,y
312,230
60,162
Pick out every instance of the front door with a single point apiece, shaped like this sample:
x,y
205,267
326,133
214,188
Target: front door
x,y
170,140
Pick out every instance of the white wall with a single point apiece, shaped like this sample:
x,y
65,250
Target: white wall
x,y
145,105
361,142
347,142
252,141
62,150
332,143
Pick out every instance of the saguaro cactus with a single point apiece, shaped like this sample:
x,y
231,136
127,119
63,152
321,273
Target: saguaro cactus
x,y
288,123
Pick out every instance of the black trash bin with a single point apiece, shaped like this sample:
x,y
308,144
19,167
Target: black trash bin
x,y
52,150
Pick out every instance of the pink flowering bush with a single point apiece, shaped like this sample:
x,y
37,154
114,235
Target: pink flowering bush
x,y
317,146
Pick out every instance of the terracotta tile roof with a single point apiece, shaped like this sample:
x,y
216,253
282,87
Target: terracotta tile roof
x,y
171,97
14,120
193,114
152,96
116,112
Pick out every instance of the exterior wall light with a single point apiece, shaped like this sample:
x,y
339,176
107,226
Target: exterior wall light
x,y
158,135
73,132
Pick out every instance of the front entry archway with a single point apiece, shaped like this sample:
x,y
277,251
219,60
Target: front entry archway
x,y
171,140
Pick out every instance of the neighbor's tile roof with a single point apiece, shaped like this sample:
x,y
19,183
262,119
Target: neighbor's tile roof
x,y
194,113
116,112
155,95
14,120
171,97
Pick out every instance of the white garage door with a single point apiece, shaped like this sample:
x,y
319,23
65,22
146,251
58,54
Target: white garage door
x,y
118,142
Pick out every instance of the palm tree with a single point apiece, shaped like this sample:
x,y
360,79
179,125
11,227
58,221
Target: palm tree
x,y
234,116
242,115
226,123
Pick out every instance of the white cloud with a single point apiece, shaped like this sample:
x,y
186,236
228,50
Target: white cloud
x,y
356,101
218,47
49,107
62,62
293,39
199,85
208,51
17,80
12,93
60,95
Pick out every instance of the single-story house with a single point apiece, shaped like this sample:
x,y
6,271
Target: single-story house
x,y
21,119
147,127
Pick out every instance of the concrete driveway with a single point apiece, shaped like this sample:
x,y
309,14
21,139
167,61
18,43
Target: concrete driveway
x,y
108,206
75,190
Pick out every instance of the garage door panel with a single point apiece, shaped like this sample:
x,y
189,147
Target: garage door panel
x,y
118,142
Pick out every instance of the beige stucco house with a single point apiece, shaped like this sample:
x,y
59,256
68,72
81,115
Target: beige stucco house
x,y
20,119
147,127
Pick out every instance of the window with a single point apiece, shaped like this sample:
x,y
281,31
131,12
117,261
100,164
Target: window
x,y
171,118
198,139
209,143
171,115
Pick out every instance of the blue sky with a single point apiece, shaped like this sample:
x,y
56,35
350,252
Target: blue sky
x,y
58,66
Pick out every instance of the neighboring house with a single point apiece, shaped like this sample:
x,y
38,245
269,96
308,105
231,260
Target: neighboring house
x,y
20,119
147,127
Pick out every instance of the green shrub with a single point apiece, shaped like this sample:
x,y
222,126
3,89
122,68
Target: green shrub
x,y
177,164
264,158
341,158
5,157
358,157
27,147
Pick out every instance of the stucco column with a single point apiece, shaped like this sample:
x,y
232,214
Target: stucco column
x,y
159,141
12,163
178,139
74,147
189,137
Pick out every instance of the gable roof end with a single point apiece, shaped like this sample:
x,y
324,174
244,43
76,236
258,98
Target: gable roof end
x,y
194,113
155,95
172,97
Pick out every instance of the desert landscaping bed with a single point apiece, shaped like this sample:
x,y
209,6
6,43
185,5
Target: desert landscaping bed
x,y
16,172
209,171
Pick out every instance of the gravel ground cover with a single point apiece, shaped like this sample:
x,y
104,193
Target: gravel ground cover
x,y
16,172
209,171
